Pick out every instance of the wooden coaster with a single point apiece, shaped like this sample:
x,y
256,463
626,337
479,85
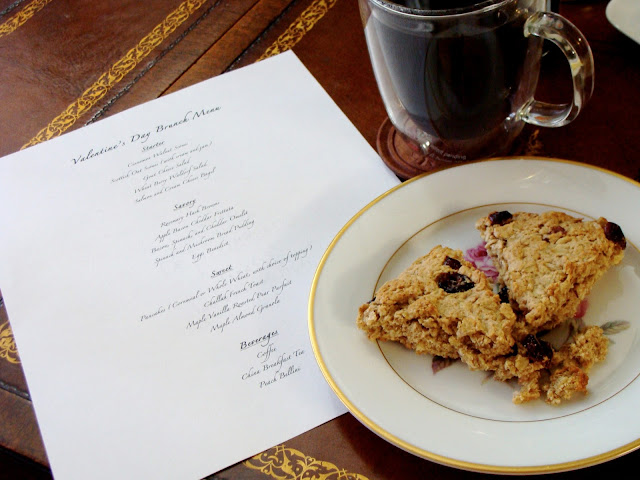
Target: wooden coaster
x,y
402,155
406,160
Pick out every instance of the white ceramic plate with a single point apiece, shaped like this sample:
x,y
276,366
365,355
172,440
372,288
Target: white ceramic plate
x,y
458,417
625,16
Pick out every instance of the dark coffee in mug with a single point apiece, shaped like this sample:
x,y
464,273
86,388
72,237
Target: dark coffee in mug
x,y
458,77
459,80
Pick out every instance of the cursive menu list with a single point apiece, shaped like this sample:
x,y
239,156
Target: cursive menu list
x,y
156,268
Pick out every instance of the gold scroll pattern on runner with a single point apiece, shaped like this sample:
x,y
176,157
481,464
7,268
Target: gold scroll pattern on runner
x,y
22,16
117,72
299,28
122,67
8,349
283,463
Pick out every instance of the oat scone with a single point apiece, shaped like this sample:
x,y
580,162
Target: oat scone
x,y
441,305
549,262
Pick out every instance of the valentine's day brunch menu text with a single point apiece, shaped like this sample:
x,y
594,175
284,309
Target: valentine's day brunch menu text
x,y
157,267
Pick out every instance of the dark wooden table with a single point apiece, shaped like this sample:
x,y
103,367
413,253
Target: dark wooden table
x,y
67,63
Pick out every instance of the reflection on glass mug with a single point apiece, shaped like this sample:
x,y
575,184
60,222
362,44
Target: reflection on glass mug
x,y
458,77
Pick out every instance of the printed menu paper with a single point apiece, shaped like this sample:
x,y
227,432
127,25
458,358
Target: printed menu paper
x,y
156,268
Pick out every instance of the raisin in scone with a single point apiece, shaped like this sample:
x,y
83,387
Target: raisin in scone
x,y
441,305
549,262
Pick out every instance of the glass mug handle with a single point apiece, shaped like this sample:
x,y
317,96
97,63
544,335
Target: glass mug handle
x,y
573,44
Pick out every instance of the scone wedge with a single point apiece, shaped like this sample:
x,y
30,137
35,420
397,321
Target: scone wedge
x,y
549,262
441,305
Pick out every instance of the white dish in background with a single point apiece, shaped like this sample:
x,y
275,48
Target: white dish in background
x,y
625,16
456,417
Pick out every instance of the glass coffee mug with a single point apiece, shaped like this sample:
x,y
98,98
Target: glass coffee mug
x,y
458,77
